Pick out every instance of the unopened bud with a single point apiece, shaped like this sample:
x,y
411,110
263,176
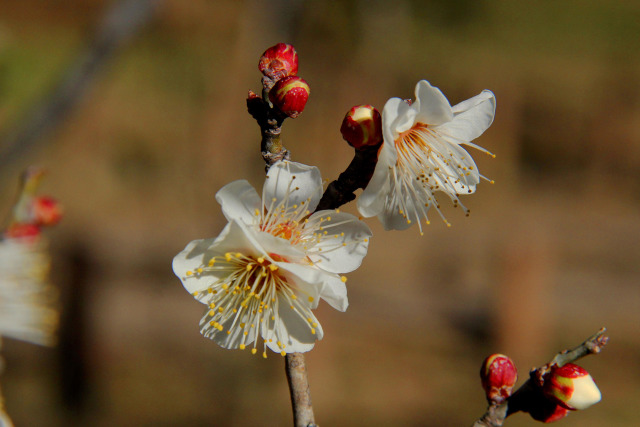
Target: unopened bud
x,y
46,211
362,127
498,375
279,61
290,95
548,412
571,387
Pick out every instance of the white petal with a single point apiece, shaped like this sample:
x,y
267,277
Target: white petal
x,y
391,219
585,393
461,157
239,201
371,201
234,238
293,331
329,286
5,421
236,335
293,183
397,117
472,117
344,246
277,245
433,107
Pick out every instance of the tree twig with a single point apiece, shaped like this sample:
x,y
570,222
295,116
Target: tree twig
x,y
118,25
357,175
270,121
299,388
528,397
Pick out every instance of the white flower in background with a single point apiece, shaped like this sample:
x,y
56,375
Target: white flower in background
x,y
422,154
274,260
26,298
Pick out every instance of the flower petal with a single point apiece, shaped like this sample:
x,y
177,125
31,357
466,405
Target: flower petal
x,y
344,246
292,331
397,116
433,107
239,201
371,201
328,286
291,183
233,238
471,118
235,336
392,219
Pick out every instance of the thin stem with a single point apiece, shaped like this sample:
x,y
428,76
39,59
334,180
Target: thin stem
x,y
357,175
299,388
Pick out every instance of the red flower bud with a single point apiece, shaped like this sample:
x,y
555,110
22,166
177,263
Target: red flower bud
x,y
29,232
571,387
279,61
548,413
46,211
290,95
498,375
362,127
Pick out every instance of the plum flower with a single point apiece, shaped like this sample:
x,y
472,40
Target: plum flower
x,y
27,299
263,275
422,153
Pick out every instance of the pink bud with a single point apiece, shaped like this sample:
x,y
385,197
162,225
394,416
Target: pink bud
x,y
290,95
571,387
362,127
498,375
279,61
46,210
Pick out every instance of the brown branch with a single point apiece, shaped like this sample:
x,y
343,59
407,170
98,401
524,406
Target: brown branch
x,y
529,396
299,389
117,27
270,121
357,175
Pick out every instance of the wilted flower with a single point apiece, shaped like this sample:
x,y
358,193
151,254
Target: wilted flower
x,y
422,153
275,259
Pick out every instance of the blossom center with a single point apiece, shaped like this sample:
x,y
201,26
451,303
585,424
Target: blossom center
x,y
246,298
429,161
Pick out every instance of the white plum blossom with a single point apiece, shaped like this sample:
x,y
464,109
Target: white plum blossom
x,y
273,262
27,299
422,153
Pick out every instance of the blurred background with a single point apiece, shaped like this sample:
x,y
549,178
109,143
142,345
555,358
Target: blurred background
x,y
548,256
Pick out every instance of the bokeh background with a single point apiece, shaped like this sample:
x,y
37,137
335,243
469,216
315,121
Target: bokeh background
x,y
548,256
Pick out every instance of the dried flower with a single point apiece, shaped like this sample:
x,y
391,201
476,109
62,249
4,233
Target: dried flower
x,y
422,153
266,271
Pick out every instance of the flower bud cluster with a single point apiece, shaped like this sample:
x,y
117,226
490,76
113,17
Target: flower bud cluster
x,y
287,92
563,389
32,212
